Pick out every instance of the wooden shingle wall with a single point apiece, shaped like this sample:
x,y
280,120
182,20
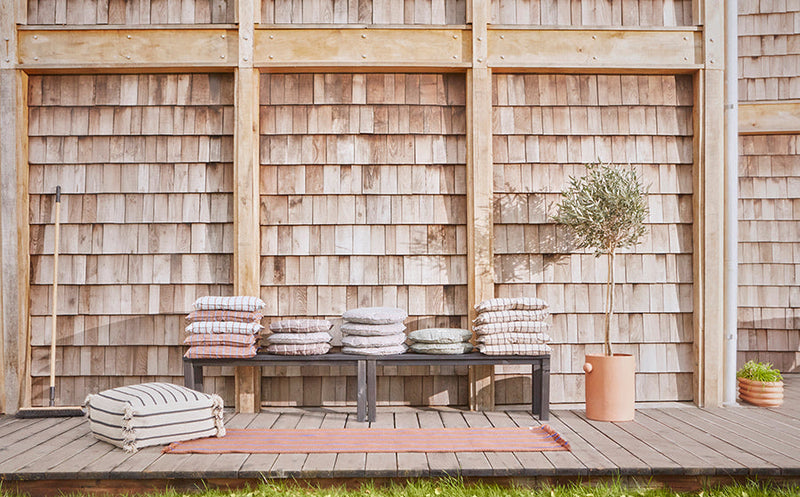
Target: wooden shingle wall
x,y
593,12
769,186
144,162
769,50
363,12
131,12
546,127
363,204
769,250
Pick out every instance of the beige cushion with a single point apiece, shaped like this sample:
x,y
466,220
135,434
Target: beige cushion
x,y
441,348
511,304
375,315
373,341
300,326
368,330
319,337
299,348
224,327
507,316
440,335
515,349
391,350
503,338
512,327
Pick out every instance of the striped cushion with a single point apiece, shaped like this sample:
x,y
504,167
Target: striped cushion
x,y
148,414
232,339
319,337
224,315
503,338
512,327
236,303
511,304
508,316
214,351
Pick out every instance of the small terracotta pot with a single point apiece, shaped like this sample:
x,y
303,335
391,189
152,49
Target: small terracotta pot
x,y
610,387
761,393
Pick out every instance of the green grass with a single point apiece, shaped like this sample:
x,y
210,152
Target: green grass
x,y
456,488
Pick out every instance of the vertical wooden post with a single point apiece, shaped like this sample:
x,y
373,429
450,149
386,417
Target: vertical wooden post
x,y
480,189
245,192
708,204
14,237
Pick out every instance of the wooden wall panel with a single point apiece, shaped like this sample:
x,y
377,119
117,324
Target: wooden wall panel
x,y
131,12
769,51
769,250
363,12
546,127
593,12
144,162
363,203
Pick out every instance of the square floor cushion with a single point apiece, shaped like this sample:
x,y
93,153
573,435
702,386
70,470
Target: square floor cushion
x,y
148,414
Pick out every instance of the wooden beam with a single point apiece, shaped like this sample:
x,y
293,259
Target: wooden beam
x,y
246,252
480,190
14,235
596,50
359,47
765,118
708,203
129,48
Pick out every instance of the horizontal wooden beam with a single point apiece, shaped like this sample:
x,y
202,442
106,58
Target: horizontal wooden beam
x,y
447,47
173,48
596,50
769,118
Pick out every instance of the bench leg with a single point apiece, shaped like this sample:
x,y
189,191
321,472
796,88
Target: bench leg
x,y
372,390
536,387
193,376
361,410
544,415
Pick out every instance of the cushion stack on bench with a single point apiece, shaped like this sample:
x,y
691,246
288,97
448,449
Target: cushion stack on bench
x,y
374,331
221,327
512,326
300,337
148,414
440,341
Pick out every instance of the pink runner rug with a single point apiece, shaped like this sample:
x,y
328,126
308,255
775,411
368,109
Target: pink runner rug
x,y
536,438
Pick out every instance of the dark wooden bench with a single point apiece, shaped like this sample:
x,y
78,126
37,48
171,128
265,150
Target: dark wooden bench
x,y
367,367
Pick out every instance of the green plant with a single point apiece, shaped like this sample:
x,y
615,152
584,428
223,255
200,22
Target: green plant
x,y
606,209
759,371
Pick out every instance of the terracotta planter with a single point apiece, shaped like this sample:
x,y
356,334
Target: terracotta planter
x,y
610,387
761,393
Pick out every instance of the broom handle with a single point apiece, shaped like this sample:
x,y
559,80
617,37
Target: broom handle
x,y
55,301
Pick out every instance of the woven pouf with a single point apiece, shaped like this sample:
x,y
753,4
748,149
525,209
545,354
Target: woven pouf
x,y
148,414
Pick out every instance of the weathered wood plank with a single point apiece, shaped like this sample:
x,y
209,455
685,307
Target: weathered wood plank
x,y
769,117
47,450
470,463
439,463
549,462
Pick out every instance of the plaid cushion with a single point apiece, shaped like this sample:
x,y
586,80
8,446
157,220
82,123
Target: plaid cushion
x,y
300,326
299,348
511,304
220,351
319,337
512,327
507,316
224,327
231,339
515,349
237,303
224,315
503,338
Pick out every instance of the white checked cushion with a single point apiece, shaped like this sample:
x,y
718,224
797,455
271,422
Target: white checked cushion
x,y
511,304
148,414
235,303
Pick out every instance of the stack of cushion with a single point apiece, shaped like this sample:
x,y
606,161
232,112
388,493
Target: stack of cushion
x,y
222,327
148,414
300,337
512,326
374,331
440,341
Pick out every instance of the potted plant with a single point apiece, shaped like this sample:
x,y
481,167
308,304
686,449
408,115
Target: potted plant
x,y
760,384
606,210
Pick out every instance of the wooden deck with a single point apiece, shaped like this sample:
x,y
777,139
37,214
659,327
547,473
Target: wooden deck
x,y
679,445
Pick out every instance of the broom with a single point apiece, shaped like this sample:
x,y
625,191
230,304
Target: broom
x,y
52,410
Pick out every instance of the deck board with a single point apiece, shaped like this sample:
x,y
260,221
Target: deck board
x,y
676,444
